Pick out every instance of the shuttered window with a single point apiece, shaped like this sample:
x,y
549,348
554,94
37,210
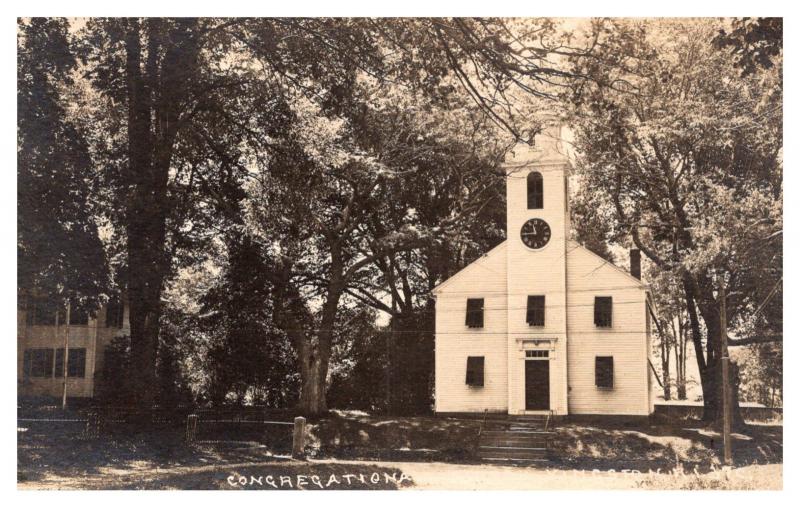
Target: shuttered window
x,y
604,372
475,371
475,312
602,311
535,191
535,315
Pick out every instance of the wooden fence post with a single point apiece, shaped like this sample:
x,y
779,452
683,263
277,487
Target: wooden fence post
x,y
191,428
299,438
93,424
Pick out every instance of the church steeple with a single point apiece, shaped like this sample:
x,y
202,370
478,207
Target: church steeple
x,y
537,226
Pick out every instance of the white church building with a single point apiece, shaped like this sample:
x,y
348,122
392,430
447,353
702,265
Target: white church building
x,y
539,324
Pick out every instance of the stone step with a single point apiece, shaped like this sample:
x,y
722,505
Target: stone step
x,y
514,442
517,461
513,453
531,432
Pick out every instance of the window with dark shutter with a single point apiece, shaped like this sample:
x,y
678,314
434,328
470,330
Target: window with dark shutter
x,y
535,191
535,315
604,372
475,371
475,312
602,311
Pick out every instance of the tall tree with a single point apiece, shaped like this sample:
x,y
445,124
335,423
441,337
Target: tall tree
x,y
331,181
170,85
172,93
58,245
688,154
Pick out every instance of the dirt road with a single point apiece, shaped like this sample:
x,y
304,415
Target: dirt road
x,y
346,474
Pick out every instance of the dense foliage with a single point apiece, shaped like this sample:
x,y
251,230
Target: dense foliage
x,y
277,197
686,155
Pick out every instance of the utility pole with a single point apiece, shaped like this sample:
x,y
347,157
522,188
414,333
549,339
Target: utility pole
x,y
66,359
726,388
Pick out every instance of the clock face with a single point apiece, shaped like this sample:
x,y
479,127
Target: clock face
x,y
535,233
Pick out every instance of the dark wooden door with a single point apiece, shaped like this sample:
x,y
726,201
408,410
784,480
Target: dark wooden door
x,y
537,385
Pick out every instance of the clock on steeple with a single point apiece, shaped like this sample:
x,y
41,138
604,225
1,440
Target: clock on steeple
x,y
535,233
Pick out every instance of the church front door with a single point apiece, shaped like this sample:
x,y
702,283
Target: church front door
x,y
537,384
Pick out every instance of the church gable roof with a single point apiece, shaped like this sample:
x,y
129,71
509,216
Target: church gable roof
x,y
495,255
608,268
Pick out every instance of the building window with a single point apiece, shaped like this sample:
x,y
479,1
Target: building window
x,y
535,191
78,316
42,312
604,372
39,362
475,312
76,366
475,371
114,314
602,311
535,315
537,353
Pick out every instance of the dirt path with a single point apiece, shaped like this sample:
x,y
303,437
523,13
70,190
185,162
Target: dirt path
x,y
111,478
425,476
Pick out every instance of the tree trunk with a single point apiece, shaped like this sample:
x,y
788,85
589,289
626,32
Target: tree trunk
x,y
391,362
144,280
313,373
700,297
315,358
154,101
680,361
316,353
665,353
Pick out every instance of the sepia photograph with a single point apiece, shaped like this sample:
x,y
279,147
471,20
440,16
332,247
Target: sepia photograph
x,y
399,253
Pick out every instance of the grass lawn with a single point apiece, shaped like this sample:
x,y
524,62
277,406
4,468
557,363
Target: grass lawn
x,y
574,446
369,447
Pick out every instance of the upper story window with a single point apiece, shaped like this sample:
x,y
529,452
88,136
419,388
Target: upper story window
x,y
114,314
535,191
475,312
602,311
42,311
78,316
535,313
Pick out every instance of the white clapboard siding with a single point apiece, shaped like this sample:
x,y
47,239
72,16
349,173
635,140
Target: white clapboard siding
x,y
485,278
94,337
626,341
570,277
539,272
